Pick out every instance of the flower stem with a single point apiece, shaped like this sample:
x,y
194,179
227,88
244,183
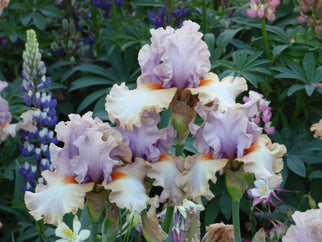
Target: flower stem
x,y
235,210
40,228
179,149
167,219
266,45
93,236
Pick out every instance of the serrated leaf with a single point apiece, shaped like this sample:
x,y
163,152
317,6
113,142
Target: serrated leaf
x,y
296,165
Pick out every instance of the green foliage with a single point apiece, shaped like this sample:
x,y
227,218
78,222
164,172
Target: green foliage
x,y
86,54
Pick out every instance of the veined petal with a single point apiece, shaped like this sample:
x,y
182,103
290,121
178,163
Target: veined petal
x,y
127,186
223,92
60,196
95,160
164,172
175,58
127,106
148,141
264,159
198,169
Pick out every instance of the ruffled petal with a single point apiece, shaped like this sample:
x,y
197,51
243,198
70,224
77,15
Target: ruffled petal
x,y
198,170
148,141
127,186
164,172
223,92
61,195
127,106
263,158
68,132
224,134
95,160
175,58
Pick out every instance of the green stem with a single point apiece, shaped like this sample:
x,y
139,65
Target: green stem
x,y
204,17
298,107
179,149
265,39
93,235
114,20
40,228
235,210
167,219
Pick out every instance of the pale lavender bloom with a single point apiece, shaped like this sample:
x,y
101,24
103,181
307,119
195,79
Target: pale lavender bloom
x,y
226,134
91,149
5,115
175,58
308,226
148,142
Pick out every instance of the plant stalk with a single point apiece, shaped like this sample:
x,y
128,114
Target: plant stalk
x,y
167,219
265,39
235,210
93,235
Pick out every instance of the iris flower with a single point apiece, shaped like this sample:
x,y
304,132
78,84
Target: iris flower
x,y
228,138
93,155
175,67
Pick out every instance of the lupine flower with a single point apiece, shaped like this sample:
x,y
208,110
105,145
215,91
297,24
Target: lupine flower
x,y
308,226
93,154
317,128
165,16
264,114
106,5
67,235
35,142
311,10
261,8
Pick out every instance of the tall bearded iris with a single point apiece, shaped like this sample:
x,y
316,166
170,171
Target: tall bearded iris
x,y
93,155
225,139
174,68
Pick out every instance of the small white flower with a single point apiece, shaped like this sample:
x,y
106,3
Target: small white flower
x,y
67,235
187,204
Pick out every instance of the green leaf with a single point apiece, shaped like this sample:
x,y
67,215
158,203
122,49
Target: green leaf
x,y
91,98
316,174
210,40
250,77
89,68
309,66
88,81
39,20
309,89
278,49
294,88
296,165
225,205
